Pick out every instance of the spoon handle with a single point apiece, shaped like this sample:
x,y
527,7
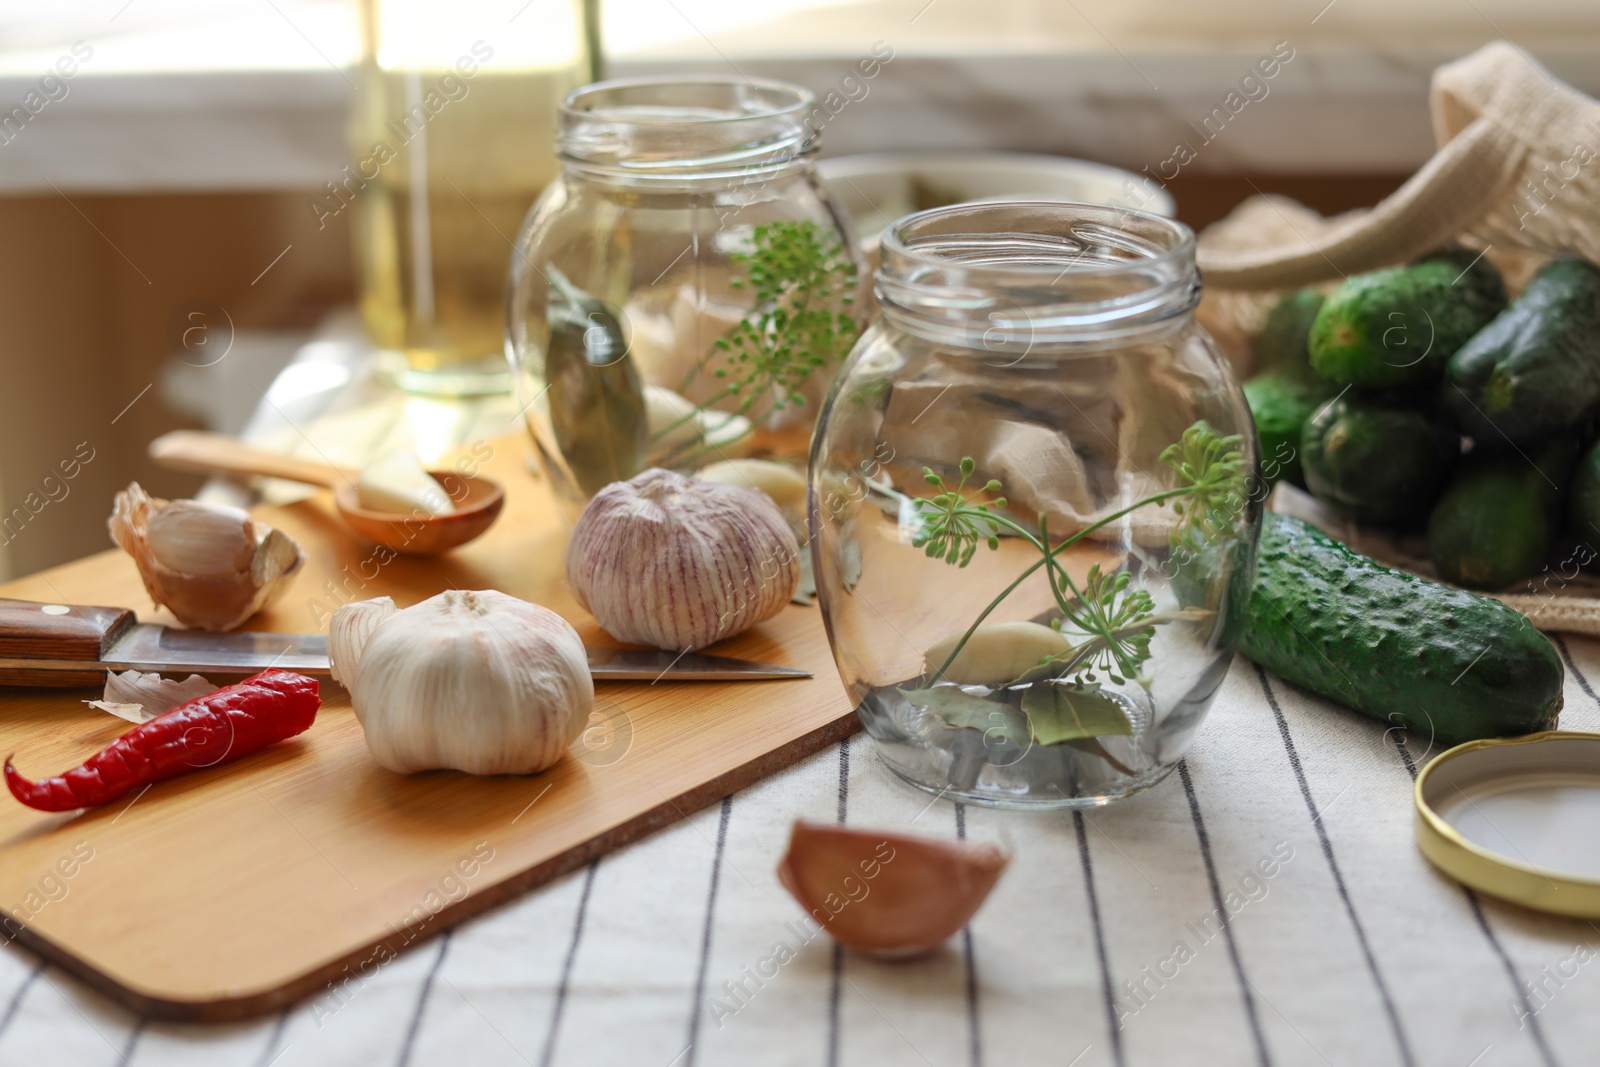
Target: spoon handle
x,y
215,453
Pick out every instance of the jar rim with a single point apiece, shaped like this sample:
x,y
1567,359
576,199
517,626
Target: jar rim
x,y
1016,274
799,99
696,129
897,242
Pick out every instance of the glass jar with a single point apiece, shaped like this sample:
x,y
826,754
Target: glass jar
x,y
451,144
1032,507
684,292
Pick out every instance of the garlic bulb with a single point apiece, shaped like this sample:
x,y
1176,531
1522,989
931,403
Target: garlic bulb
x,y
348,632
212,566
679,563
472,681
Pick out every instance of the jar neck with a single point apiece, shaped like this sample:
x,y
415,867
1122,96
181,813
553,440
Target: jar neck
x,y
701,134
1011,278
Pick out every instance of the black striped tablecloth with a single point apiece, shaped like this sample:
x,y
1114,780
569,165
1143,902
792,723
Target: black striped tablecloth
x,y
1264,905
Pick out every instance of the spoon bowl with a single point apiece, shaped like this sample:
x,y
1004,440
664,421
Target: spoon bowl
x,y
477,500
477,503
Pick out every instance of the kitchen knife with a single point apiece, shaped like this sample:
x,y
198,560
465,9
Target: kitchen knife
x,y
62,645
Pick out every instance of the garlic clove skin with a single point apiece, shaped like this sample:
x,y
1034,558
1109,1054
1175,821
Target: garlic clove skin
x,y
996,653
151,692
212,566
888,894
351,627
680,563
472,681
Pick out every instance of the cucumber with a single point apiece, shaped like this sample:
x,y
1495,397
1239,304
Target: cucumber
x,y
1281,402
1443,662
1535,370
1281,344
1374,462
1398,328
1584,500
1500,517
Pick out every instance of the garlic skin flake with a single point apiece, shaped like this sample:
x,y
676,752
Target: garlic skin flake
x,y
471,681
212,566
149,692
679,563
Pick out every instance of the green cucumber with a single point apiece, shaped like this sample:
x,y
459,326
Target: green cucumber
x,y
1500,517
1535,370
1375,462
1397,328
1281,402
1281,344
1443,662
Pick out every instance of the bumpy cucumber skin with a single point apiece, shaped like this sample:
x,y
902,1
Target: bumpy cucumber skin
x,y
1281,403
1398,328
1448,664
1281,345
1535,370
1374,462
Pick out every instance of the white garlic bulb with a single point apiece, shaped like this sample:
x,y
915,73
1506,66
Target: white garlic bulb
x,y
471,681
678,562
212,566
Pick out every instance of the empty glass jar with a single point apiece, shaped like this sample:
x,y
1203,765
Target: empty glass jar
x,y
685,291
1033,505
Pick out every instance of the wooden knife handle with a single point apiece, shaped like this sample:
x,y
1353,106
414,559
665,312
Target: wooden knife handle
x,y
57,631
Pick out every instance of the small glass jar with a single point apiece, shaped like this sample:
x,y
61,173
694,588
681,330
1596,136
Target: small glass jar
x,y
684,292
1033,505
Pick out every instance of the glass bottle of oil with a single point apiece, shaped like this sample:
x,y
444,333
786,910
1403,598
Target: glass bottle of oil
x,y
451,136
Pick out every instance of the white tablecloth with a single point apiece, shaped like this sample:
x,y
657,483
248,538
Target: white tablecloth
x,y
1263,905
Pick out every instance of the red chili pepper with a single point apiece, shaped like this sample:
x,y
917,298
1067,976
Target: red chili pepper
x,y
213,729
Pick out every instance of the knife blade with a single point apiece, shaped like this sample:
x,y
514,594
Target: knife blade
x,y
41,637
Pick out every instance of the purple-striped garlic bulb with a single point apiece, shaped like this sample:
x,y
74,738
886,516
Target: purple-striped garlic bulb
x,y
679,563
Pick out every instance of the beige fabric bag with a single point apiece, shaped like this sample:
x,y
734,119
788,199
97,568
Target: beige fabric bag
x,y
1517,168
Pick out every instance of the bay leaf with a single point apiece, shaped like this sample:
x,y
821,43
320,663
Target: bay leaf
x,y
1064,711
960,709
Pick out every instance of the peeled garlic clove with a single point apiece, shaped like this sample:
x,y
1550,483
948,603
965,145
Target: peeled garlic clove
x,y
888,894
996,653
398,483
348,632
785,485
679,563
212,566
679,429
472,681
672,421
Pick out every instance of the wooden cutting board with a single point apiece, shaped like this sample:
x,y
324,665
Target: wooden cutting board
x,y
237,890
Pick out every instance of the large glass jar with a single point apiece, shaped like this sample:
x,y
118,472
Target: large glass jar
x,y
1033,506
683,294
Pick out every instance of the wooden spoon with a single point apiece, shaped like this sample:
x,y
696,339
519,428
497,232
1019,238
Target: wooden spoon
x,y
477,500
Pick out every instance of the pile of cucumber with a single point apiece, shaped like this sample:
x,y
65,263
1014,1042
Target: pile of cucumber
x,y
1418,398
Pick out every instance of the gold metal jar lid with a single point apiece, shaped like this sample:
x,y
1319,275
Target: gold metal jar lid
x,y
1518,818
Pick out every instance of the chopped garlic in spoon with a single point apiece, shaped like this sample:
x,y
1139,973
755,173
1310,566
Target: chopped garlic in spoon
x,y
398,483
